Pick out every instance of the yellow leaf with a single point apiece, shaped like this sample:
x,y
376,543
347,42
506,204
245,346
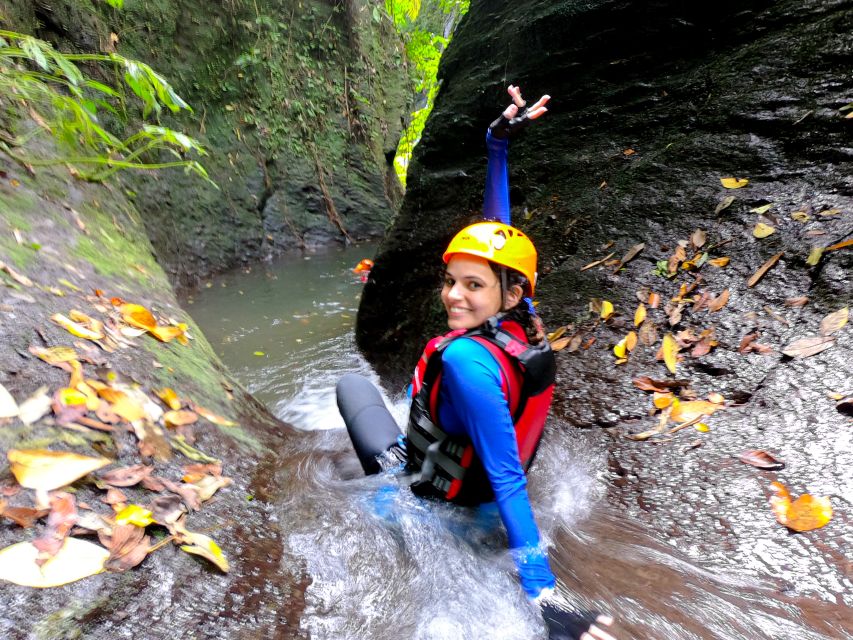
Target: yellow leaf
x,y
803,514
814,256
75,328
763,209
670,352
207,414
138,316
719,262
179,418
167,334
834,321
762,230
830,212
71,397
631,341
704,428
800,216
606,309
662,400
734,183
639,315
170,398
76,559
692,409
621,349
55,355
134,514
204,546
48,470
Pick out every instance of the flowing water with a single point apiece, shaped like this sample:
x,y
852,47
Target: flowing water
x,y
386,565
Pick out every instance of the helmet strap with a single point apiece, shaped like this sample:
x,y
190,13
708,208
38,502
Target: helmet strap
x,y
504,287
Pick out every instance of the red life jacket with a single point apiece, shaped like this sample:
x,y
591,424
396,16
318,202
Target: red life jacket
x,y
447,466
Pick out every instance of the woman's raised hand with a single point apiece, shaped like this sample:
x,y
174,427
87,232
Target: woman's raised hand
x,y
517,115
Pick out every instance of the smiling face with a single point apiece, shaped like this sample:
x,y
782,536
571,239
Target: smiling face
x,y
472,292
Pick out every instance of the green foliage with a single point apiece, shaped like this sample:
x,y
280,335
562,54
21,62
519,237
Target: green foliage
x,y
424,46
53,90
117,4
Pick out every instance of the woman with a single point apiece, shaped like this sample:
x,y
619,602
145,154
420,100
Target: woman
x,y
480,393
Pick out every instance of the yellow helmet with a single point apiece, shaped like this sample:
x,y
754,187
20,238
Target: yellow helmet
x,y
498,243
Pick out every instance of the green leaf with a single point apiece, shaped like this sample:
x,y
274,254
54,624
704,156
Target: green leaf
x,y
116,4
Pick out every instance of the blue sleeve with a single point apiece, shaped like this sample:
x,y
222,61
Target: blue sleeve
x,y
471,384
496,199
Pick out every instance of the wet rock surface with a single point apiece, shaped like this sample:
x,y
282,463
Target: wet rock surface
x,y
654,103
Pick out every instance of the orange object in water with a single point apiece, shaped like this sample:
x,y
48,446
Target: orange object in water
x,y
364,265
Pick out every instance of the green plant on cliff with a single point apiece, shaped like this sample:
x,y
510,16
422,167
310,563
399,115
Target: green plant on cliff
x,y
426,38
47,93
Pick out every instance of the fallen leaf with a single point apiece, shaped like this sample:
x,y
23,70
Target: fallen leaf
x,y
630,255
692,409
167,334
702,427
654,300
60,520
128,547
24,517
648,333
761,460
805,347
716,398
137,316
126,476
662,400
560,344
725,203
54,355
646,383
114,496
763,269
829,212
761,230
800,216
620,350
597,262
47,470
180,444
698,238
803,514
606,309
639,315
840,245
204,546
75,328
719,262
815,255
719,302
179,418
551,338
670,352
834,321
76,559
734,183
167,509
209,485
762,209
17,277
134,514
8,406
796,302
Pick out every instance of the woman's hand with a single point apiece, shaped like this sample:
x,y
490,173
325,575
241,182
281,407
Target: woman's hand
x,y
566,624
517,115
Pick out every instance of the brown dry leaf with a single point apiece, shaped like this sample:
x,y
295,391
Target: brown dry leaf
x,y
698,238
675,259
196,471
719,302
645,383
126,476
179,418
560,344
152,441
22,516
167,334
137,316
803,514
214,418
840,245
674,313
763,269
47,470
128,547
796,302
54,355
208,485
62,517
648,333
551,337
639,315
834,321
725,203
654,300
630,255
631,341
114,496
597,262
805,347
575,342
189,493
670,352
761,460
166,510
719,262
586,345
76,559
693,409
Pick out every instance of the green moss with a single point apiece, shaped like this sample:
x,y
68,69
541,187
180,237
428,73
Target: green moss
x,y
50,436
12,208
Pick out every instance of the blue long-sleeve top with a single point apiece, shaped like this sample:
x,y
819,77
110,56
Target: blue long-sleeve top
x,y
472,403
496,197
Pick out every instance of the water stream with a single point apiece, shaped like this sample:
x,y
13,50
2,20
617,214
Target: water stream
x,y
387,565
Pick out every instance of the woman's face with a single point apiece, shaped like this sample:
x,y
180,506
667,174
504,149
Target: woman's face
x,y
471,291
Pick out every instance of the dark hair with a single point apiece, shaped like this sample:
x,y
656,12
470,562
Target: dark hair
x,y
524,312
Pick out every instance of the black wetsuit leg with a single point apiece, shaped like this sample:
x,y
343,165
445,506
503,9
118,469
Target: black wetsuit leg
x,y
371,426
